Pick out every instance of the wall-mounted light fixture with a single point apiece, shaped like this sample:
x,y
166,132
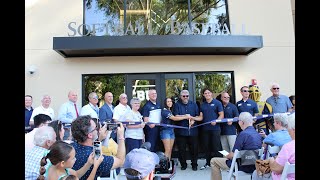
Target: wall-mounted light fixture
x,y
32,69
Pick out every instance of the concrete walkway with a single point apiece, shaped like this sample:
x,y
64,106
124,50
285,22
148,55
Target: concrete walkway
x,y
189,174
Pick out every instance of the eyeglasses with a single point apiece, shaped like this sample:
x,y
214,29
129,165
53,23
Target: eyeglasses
x,y
245,90
275,88
185,96
96,128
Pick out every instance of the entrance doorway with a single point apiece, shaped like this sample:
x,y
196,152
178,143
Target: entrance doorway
x,y
166,85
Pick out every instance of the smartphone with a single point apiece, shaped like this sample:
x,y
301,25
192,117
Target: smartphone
x,y
97,149
112,126
259,128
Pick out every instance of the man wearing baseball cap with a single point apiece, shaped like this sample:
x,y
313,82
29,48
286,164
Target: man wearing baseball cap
x,y
140,164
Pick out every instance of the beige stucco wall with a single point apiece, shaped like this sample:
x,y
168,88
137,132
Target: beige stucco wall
x,y
275,62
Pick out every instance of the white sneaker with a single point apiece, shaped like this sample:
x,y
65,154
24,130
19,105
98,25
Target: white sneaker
x,y
204,167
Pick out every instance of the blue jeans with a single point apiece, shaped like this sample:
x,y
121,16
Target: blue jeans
x,y
167,134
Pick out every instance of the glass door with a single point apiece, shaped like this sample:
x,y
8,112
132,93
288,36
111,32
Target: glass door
x,y
175,83
138,85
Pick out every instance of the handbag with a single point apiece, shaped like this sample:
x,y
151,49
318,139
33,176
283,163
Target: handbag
x,y
262,167
248,157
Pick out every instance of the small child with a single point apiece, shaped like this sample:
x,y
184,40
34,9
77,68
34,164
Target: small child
x,y
62,159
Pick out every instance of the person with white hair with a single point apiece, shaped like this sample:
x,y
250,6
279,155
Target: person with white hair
x,y
44,137
280,103
286,154
44,108
134,132
248,139
280,136
91,108
121,109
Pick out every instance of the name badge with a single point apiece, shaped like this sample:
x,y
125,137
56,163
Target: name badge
x,y
240,104
248,104
211,104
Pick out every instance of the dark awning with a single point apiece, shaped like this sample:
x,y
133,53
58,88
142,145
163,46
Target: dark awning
x,y
93,46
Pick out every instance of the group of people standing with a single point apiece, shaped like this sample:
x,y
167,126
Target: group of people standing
x,y
184,113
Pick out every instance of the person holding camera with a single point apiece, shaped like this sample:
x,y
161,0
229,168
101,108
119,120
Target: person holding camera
x,y
281,135
84,131
134,133
140,164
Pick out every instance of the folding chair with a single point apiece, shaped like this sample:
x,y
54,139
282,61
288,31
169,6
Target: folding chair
x,y
288,169
113,176
272,150
234,167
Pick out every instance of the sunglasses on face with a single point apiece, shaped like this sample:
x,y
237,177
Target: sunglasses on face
x,y
245,90
275,88
185,96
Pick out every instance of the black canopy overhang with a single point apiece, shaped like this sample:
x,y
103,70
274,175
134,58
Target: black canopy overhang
x,y
93,46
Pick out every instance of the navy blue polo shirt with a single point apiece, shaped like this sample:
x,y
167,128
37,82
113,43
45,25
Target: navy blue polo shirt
x,y
149,106
248,139
182,109
230,111
82,154
210,112
248,106
27,116
165,114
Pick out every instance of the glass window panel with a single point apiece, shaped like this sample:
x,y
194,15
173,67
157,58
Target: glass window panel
x,y
105,15
174,87
101,84
153,16
217,82
156,17
140,89
210,17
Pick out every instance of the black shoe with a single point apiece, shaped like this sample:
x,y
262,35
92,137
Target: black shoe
x,y
195,168
183,167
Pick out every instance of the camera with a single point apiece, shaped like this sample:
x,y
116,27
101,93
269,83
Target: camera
x,y
258,128
112,126
165,170
97,149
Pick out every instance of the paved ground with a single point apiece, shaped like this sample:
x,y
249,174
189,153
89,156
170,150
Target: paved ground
x,y
189,174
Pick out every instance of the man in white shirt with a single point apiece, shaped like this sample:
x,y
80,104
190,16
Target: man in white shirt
x,y
43,109
92,108
121,109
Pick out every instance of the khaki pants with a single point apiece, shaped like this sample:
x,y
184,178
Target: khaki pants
x,y
217,164
227,142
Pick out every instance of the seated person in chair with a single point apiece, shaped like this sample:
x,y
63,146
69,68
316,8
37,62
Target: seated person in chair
x,y
248,139
280,136
287,153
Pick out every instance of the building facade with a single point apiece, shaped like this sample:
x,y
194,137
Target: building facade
x,y
56,75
